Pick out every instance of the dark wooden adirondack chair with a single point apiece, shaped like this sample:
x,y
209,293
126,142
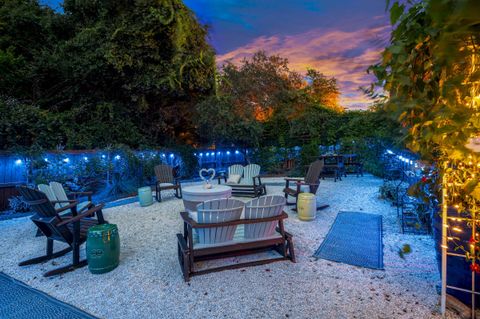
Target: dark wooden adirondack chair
x,y
70,229
308,184
166,181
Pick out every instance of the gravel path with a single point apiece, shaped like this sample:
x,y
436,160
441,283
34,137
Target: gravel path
x,y
148,282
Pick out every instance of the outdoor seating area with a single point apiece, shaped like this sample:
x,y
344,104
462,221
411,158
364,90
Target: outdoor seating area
x,y
239,159
151,279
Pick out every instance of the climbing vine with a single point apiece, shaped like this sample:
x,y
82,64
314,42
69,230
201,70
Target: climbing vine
x,y
430,74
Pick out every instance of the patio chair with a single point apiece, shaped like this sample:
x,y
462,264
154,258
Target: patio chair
x,y
310,184
218,231
166,181
71,230
250,184
234,172
62,199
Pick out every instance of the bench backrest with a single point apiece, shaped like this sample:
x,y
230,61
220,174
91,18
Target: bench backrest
x,y
60,194
235,170
44,188
249,172
218,211
164,173
263,207
314,171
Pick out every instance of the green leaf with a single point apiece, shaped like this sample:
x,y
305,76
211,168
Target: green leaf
x,y
471,186
396,12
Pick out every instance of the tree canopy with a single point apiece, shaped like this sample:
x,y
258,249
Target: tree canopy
x,y
102,71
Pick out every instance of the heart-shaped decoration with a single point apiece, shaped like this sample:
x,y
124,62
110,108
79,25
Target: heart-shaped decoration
x,y
210,174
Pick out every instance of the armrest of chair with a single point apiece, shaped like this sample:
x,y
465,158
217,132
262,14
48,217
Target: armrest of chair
x,y
88,213
187,219
63,201
220,176
64,208
294,179
258,177
88,194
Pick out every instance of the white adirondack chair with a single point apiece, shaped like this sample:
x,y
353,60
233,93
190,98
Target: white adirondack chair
x,y
250,184
44,188
250,172
61,195
263,207
217,211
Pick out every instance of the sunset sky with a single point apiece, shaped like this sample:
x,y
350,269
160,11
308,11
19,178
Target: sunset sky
x,y
338,38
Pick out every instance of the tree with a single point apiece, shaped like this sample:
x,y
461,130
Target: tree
x,y
221,123
259,85
107,71
323,90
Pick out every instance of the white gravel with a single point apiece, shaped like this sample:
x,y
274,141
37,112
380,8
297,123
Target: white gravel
x,y
148,283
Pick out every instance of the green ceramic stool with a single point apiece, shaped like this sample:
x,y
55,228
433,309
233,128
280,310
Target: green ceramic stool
x,y
103,248
145,196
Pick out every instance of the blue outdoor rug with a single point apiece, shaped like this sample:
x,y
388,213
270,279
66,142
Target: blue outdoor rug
x,y
19,301
355,239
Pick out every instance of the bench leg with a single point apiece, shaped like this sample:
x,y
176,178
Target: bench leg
x,y
291,250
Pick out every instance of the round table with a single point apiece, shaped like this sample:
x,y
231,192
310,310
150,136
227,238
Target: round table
x,y
194,195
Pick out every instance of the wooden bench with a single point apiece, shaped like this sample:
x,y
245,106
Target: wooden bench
x,y
218,231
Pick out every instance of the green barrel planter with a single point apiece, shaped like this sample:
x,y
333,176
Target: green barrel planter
x,y
145,196
103,248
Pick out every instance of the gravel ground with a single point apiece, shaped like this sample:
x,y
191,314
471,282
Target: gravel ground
x,y
148,283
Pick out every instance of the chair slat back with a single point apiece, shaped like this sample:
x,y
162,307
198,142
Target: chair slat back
x,y
249,172
314,171
44,188
164,173
46,216
60,194
217,211
263,207
235,170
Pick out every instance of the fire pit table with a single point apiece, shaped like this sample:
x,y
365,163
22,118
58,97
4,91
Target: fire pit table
x,y
194,195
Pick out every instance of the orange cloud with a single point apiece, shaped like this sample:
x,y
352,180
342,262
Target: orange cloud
x,y
345,55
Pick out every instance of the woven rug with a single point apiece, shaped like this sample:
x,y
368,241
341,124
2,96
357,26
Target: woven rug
x,y
355,239
20,301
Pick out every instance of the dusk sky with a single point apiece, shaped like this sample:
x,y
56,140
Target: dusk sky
x,y
338,38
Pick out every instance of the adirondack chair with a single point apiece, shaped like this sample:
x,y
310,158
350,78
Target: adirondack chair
x,y
309,184
218,231
235,169
166,181
71,230
250,185
59,197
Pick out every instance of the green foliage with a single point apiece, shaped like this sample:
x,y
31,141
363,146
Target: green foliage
x,y
221,123
404,250
102,72
322,90
189,162
316,123
431,73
